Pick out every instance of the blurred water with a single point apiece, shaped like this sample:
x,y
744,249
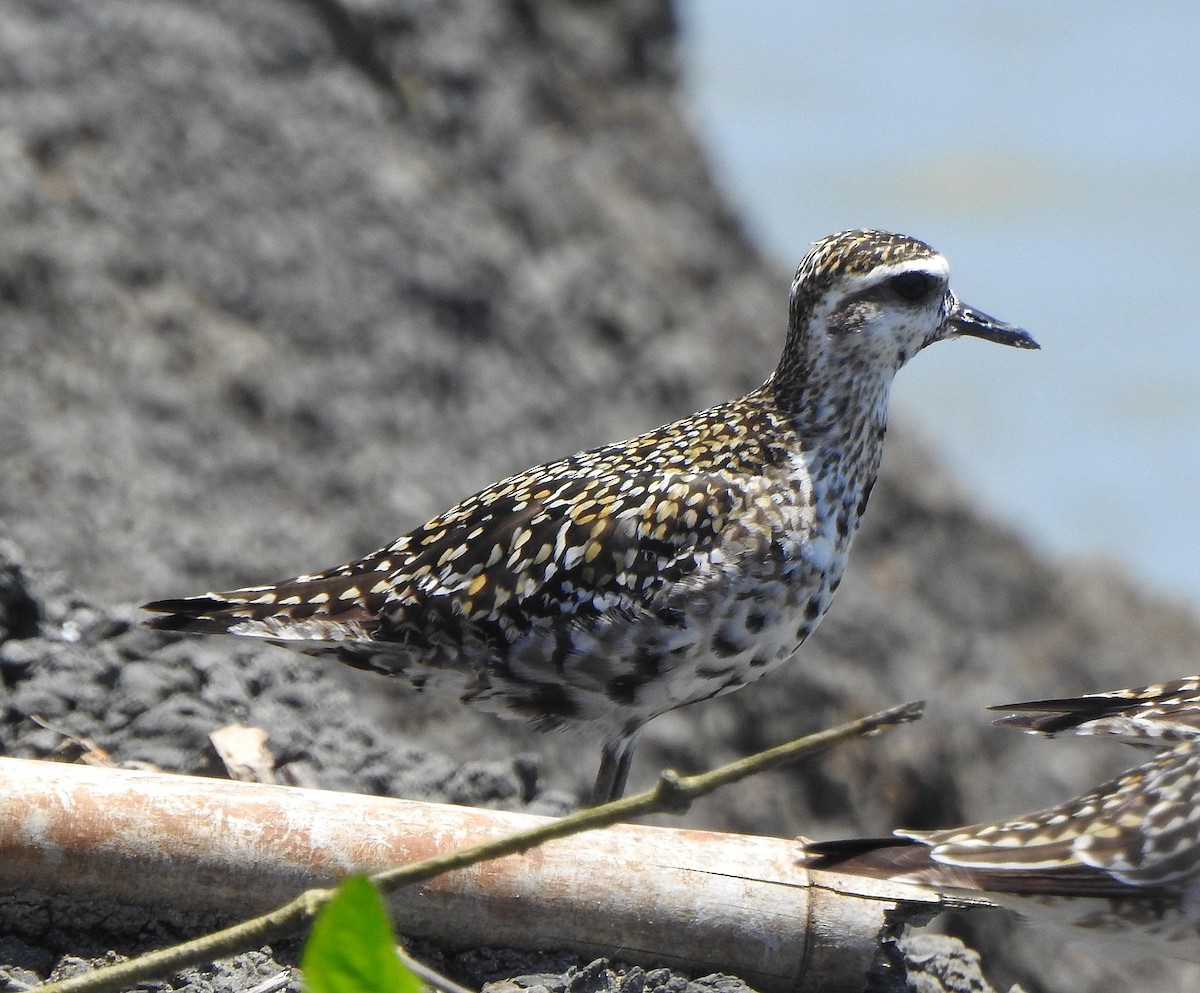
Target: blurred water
x,y
1052,151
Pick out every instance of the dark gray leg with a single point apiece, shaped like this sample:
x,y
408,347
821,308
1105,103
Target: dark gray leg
x,y
614,769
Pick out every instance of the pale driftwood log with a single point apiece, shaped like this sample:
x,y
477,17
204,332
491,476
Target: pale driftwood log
x,y
693,900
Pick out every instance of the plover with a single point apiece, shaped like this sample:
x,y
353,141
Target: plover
x,y
603,589
1122,860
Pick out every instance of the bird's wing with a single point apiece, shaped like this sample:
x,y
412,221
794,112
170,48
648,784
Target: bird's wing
x,y
1161,713
559,539
1134,835
1140,829
909,860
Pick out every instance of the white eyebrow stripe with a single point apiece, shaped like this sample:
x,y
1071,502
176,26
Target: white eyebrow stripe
x,y
935,265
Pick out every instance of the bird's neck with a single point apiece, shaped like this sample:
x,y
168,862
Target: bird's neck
x,y
836,414
831,398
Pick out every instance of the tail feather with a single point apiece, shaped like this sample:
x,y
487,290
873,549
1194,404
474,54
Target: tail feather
x,y
199,614
902,860
308,608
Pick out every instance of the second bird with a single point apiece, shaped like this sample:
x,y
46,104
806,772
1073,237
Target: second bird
x,y
601,590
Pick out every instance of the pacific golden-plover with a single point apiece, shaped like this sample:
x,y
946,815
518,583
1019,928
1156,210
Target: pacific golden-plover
x,y
1122,860
601,590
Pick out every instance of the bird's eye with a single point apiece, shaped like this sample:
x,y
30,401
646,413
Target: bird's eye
x,y
913,286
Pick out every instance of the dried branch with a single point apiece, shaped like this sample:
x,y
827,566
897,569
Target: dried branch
x,y
672,794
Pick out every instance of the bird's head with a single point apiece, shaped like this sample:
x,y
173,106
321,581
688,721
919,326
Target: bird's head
x,y
873,299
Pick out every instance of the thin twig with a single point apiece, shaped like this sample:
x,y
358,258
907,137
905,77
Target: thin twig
x,y
430,977
672,794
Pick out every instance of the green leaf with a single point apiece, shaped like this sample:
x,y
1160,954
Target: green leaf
x,y
351,948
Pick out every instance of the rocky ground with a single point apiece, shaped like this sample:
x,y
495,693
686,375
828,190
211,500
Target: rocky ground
x,y
280,280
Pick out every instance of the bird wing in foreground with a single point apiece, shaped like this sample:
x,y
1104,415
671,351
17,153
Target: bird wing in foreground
x,y
1155,715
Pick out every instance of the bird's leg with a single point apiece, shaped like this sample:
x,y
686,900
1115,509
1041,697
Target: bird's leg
x,y
614,769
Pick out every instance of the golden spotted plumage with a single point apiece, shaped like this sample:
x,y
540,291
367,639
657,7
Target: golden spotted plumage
x,y
605,588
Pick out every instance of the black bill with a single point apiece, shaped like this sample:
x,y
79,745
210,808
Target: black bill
x,y
969,321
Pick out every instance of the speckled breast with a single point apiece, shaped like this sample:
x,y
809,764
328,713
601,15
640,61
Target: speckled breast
x,y
745,610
